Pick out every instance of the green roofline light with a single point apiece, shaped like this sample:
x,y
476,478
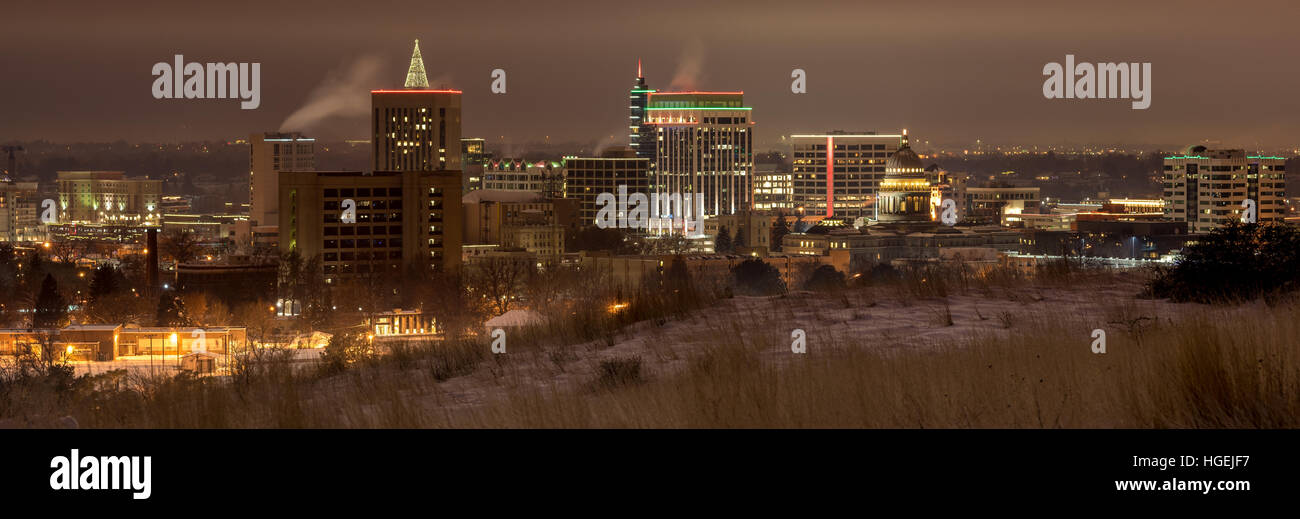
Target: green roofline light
x,y
705,108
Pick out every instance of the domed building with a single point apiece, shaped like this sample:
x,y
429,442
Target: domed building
x,y
904,193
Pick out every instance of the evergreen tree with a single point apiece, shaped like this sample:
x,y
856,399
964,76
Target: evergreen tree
x,y
103,283
756,277
51,308
739,242
779,230
171,310
722,243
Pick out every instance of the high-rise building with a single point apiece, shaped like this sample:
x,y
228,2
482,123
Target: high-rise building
x,y
416,128
704,146
402,218
1207,188
108,197
844,186
640,137
474,156
268,155
405,213
587,177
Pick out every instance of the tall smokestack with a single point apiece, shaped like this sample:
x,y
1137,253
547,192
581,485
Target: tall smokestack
x,y
151,260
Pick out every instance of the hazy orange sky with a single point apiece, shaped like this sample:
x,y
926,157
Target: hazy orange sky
x,y
951,72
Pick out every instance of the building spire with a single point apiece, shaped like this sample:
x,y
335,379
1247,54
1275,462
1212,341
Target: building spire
x,y
638,68
415,77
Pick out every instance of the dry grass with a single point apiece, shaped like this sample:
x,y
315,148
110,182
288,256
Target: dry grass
x,y
1199,367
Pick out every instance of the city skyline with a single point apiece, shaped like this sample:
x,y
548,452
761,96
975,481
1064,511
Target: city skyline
x,y
950,80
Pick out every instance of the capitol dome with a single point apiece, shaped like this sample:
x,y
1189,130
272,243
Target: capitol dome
x,y
904,161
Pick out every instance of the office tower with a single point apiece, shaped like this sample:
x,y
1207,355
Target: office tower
x,y
402,218
1206,188
773,185
474,155
416,128
407,212
108,197
587,177
641,138
704,146
846,185
268,155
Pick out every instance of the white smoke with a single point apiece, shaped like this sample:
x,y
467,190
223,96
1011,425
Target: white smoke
x,y
689,68
344,93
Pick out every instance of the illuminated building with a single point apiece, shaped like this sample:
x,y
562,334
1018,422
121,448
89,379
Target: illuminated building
x,y
1000,205
407,211
640,137
773,188
19,209
108,197
401,323
704,145
904,195
474,155
105,342
1206,188
544,177
416,128
268,155
519,219
845,185
587,177
402,218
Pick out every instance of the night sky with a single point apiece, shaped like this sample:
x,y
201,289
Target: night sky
x,y
951,72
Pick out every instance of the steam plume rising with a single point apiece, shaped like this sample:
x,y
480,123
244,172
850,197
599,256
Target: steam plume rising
x,y
343,93
689,68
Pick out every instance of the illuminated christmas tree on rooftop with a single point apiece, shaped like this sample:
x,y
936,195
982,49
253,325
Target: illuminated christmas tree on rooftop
x,y
415,77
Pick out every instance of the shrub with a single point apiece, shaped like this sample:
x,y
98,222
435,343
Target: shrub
x,y
614,373
1234,262
825,279
756,277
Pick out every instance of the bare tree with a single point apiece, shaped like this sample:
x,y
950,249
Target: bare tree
x,y
180,245
67,250
499,280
